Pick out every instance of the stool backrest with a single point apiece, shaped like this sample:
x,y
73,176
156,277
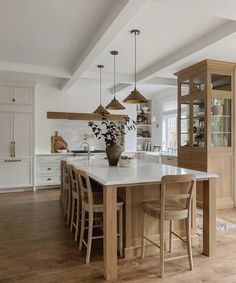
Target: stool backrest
x,y
182,182
73,179
64,174
85,188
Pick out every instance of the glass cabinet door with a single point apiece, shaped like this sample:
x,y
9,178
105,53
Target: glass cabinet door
x,y
184,88
198,84
184,124
221,122
198,123
221,82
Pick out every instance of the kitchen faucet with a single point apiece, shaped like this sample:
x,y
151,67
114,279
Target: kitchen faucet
x,y
88,149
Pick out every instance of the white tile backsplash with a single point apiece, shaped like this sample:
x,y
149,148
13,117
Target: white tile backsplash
x,y
76,132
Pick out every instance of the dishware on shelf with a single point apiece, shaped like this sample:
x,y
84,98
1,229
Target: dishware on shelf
x,y
145,108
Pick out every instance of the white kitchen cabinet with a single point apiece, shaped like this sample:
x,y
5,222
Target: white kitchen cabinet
x,y
22,95
15,173
169,160
48,170
22,134
5,94
6,139
15,95
16,135
16,138
152,158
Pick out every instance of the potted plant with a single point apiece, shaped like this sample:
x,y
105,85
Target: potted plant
x,y
112,132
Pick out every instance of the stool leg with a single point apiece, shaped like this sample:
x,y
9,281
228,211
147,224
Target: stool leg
x,y
65,202
90,234
77,220
143,234
170,240
189,246
82,229
68,209
121,232
161,248
72,214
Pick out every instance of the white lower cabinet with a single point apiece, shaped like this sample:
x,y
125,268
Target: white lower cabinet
x,y
15,173
169,160
48,170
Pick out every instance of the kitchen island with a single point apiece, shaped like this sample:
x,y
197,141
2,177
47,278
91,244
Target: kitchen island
x,y
140,182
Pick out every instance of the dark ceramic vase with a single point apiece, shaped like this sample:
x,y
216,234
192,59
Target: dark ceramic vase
x,y
113,152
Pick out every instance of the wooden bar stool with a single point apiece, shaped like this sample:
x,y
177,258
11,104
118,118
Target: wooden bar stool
x,y
171,207
93,204
67,188
75,202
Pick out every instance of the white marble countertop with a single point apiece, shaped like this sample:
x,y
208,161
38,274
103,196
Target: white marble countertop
x,y
141,172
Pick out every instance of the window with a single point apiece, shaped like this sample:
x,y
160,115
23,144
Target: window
x,y
169,125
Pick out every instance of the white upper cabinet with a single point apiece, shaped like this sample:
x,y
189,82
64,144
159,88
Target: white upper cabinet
x,y
5,94
22,95
15,95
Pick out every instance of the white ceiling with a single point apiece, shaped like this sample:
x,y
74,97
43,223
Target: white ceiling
x,y
164,29
64,40
48,32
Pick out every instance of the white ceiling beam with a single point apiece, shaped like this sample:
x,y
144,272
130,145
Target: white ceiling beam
x,y
54,72
162,81
176,57
120,15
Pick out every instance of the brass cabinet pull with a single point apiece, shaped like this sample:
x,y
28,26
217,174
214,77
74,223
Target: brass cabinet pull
x,y
49,179
12,160
11,149
13,100
49,169
14,149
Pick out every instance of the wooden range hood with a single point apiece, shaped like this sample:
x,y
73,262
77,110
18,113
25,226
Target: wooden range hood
x,y
83,116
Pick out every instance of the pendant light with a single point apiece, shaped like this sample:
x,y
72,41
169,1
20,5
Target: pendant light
x,y
135,96
114,104
101,110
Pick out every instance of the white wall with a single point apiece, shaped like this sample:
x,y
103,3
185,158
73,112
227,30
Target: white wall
x,y
157,100
84,97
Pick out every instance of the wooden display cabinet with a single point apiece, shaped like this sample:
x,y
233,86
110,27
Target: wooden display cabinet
x,y
206,123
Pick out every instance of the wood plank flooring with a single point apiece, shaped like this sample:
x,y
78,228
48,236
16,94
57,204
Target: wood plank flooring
x,y
35,246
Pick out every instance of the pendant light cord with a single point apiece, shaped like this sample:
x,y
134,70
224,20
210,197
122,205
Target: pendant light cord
x,y
135,59
114,88
100,86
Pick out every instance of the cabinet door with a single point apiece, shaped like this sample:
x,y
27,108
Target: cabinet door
x,y
5,94
22,134
15,174
6,134
22,95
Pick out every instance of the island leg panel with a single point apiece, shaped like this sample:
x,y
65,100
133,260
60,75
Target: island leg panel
x,y
209,217
110,232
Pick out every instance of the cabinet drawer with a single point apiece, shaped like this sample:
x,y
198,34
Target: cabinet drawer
x,y
48,180
48,159
169,160
48,169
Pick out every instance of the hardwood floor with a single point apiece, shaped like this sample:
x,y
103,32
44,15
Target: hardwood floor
x,y
35,246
